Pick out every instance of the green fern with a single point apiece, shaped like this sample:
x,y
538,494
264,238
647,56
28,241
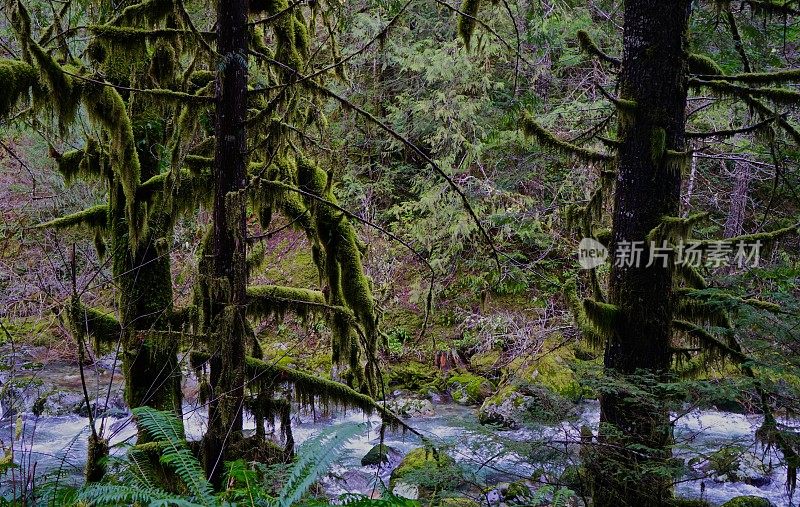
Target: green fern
x,y
136,484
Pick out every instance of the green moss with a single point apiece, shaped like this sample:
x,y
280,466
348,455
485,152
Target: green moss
x,y
344,271
589,46
467,388
702,64
16,80
418,464
412,375
466,24
748,501
377,455
94,218
485,362
532,128
107,109
685,502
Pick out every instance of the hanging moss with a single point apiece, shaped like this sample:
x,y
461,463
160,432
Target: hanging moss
x,y
784,96
589,46
106,108
89,163
779,76
766,239
594,335
344,270
673,229
708,342
145,13
95,217
163,64
466,24
545,137
276,300
697,308
658,144
65,91
16,80
603,316
95,323
691,276
100,245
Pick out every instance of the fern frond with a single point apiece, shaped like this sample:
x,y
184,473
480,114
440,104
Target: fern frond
x,y
313,458
165,427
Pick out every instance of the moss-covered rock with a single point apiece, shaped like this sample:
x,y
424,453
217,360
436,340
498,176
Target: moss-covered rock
x,y
686,502
426,470
414,376
469,389
748,501
485,363
554,370
517,404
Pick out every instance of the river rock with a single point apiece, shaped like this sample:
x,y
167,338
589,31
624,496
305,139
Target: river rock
x,y
379,454
411,406
517,404
748,501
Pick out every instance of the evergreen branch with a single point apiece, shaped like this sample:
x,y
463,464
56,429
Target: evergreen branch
x,y
726,133
709,342
737,38
777,95
413,147
545,137
780,76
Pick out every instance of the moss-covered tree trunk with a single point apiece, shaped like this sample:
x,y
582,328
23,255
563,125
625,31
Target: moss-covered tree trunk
x,y
631,460
229,277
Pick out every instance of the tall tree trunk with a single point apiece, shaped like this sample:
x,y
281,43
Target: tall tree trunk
x,y
229,247
635,430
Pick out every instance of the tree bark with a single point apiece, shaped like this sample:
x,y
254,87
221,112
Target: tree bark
x,y
229,275
630,468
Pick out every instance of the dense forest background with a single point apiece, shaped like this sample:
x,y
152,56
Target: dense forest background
x,y
449,160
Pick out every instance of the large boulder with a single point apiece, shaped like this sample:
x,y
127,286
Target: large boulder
x,y
518,404
423,471
469,389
